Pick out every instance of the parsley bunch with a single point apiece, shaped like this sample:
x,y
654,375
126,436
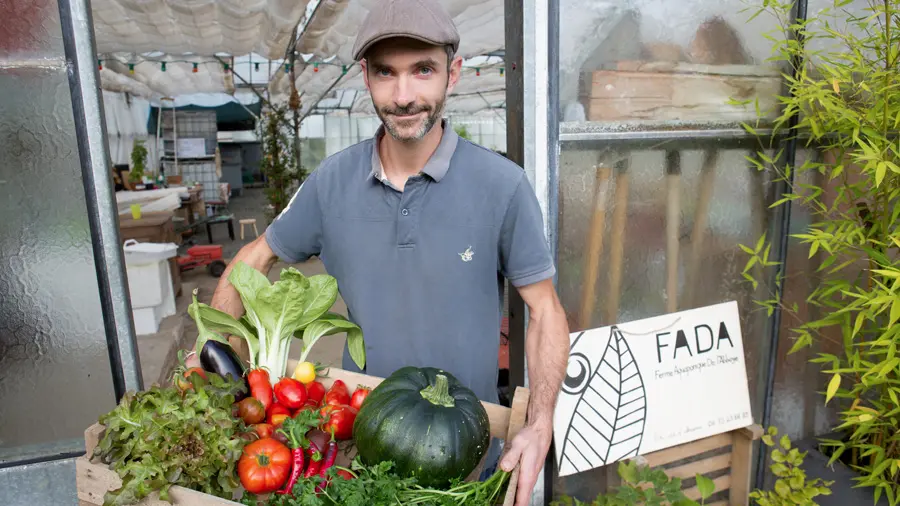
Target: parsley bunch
x,y
162,437
379,486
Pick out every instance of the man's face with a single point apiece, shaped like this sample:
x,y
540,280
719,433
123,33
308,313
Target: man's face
x,y
409,82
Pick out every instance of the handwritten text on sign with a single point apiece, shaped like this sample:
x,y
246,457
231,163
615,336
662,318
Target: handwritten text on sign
x,y
639,387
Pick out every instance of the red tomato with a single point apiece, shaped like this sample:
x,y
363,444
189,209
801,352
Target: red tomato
x,y
264,466
343,473
338,395
264,430
338,420
309,406
260,388
356,401
277,414
290,393
316,392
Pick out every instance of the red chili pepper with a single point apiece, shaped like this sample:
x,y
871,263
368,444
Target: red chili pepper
x,y
330,456
296,471
315,461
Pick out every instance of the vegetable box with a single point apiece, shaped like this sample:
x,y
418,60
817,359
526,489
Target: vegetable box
x,y
94,479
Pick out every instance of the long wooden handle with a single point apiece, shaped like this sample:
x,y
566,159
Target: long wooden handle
x,y
673,214
617,244
701,220
595,247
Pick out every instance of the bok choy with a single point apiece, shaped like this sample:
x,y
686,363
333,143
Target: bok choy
x,y
275,313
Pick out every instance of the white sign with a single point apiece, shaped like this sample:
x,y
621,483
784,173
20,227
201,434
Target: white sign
x,y
192,148
639,387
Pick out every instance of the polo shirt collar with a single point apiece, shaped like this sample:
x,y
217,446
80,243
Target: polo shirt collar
x,y
436,167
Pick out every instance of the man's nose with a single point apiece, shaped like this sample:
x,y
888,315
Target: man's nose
x,y
403,93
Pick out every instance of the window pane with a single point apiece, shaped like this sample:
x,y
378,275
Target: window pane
x,y
54,369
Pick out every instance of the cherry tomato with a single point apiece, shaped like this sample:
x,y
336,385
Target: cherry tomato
x,y
264,430
356,401
305,372
183,381
251,411
338,395
260,388
339,421
277,414
309,406
316,391
264,466
290,393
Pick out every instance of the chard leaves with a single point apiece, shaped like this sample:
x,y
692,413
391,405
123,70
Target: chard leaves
x,y
274,312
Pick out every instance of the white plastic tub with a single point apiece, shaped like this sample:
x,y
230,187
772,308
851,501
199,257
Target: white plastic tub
x,y
149,283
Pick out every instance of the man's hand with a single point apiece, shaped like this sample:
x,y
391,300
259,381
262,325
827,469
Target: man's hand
x,y
529,449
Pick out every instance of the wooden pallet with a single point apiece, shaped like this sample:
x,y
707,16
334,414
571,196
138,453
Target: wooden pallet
x,y
94,479
657,91
725,458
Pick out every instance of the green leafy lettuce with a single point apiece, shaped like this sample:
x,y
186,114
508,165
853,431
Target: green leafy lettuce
x,y
276,312
162,437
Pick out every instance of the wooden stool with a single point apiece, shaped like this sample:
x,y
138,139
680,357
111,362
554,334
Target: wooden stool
x,y
250,221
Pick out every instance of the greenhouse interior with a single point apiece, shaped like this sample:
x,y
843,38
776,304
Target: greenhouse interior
x,y
711,216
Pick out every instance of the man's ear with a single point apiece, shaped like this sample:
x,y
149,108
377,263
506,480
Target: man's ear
x,y
364,65
455,73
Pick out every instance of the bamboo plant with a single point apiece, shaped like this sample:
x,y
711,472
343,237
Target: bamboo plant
x,y
846,98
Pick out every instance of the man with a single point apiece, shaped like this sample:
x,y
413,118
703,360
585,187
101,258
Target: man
x,y
419,227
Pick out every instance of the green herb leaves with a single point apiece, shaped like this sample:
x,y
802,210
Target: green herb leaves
x,y
163,437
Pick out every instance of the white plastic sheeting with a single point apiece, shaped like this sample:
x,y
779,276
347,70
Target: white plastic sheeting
x,y
126,121
202,27
207,27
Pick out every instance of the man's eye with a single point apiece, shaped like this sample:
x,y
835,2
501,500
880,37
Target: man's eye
x,y
425,71
384,72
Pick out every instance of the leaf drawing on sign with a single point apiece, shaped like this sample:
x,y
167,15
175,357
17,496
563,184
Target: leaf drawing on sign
x,y
607,424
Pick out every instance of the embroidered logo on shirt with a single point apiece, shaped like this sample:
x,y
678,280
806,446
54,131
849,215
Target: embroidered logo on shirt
x,y
467,255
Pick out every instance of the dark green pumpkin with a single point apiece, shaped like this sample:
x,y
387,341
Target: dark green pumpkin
x,y
425,422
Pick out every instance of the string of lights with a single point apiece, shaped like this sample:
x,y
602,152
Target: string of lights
x,y
226,67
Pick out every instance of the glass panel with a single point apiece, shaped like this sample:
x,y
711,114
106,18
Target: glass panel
x,y
656,192
54,369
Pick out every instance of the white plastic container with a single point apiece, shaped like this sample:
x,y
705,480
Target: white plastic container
x,y
149,283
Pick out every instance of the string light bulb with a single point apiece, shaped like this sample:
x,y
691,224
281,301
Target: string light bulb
x,y
287,68
501,70
256,67
194,70
100,64
343,69
163,66
477,72
227,68
131,68
315,67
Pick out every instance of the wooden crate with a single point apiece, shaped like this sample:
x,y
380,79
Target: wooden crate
x,y
711,457
94,478
636,90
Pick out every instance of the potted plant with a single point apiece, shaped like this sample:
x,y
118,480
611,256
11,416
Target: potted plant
x,y
278,163
138,162
847,104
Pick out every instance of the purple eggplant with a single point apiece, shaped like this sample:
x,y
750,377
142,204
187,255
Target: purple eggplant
x,y
219,358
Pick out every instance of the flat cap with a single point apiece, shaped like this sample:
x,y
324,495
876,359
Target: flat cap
x,y
424,20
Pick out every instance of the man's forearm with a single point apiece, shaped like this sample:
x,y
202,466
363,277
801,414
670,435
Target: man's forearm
x,y
547,350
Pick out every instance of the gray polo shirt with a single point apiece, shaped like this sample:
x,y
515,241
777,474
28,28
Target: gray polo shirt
x,y
421,270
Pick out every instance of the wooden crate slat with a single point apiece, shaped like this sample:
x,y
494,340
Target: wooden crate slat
x,y
686,450
704,466
721,483
519,409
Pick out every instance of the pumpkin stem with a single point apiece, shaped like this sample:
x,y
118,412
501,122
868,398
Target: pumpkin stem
x,y
439,393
